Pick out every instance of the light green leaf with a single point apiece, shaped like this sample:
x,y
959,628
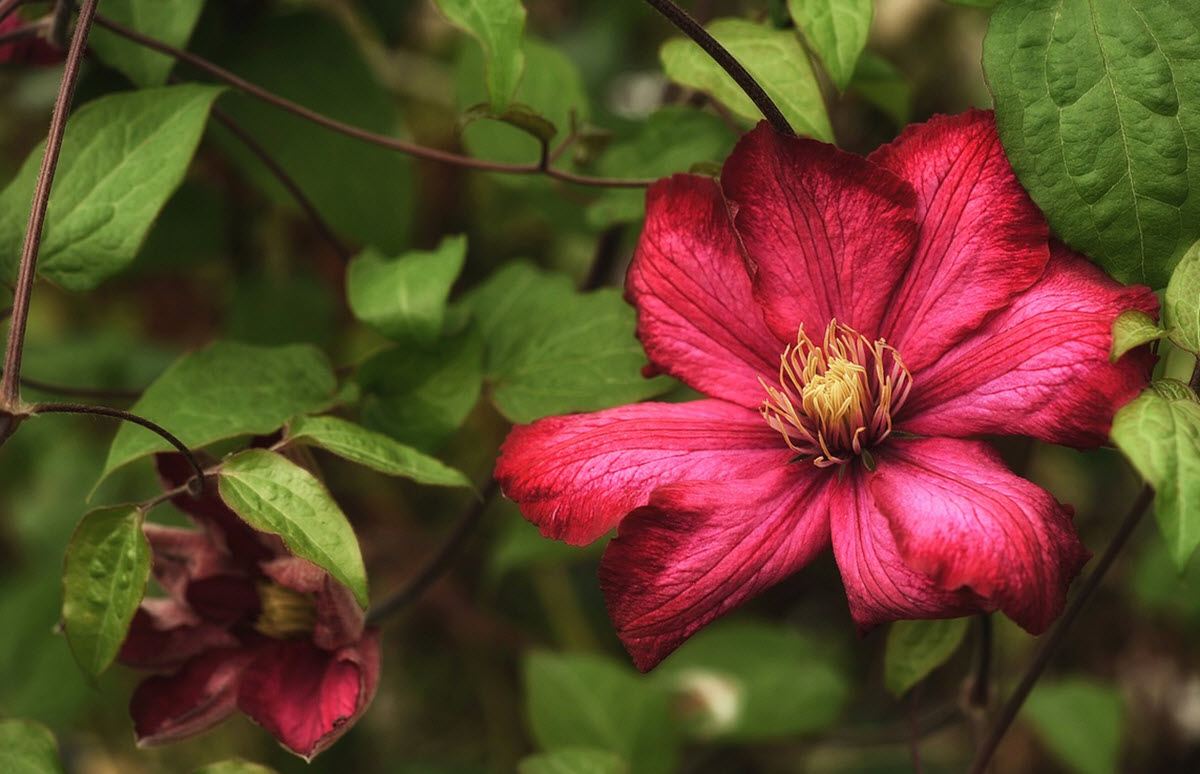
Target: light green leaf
x,y
27,748
1080,721
574,760
374,450
223,391
1098,108
1161,437
170,21
916,648
498,26
1173,389
881,84
1133,328
1181,305
235,766
552,350
975,3
588,701
752,682
405,297
776,60
104,579
123,155
836,30
273,494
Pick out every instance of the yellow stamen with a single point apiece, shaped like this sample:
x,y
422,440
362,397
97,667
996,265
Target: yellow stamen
x,y
285,613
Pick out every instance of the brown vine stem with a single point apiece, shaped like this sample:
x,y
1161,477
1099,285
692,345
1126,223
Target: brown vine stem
x,y
391,143
10,382
692,28
1008,712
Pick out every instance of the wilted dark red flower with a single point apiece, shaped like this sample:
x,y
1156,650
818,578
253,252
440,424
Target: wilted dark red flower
x,y
852,321
245,625
27,50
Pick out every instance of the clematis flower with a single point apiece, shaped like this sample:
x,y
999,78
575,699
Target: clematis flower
x,y
854,323
245,625
32,51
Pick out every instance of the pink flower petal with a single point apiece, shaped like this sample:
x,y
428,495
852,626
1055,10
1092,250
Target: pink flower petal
x,y
880,585
181,555
829,233
189,702
339,618
1040,366
962,519
696,315
576,476
982,240
224,599
164,634
700,549
307,697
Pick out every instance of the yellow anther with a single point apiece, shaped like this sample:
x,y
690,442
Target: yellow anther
x,y
285,613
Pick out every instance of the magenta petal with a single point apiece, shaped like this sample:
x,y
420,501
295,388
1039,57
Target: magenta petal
x,y
700,549
982,240
576,476
1039,367
880,585
339,618
696,315
189,702
307,697
961,518
829,233
164,634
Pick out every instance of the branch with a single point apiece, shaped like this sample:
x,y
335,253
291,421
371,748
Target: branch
x,y
391,143
690,27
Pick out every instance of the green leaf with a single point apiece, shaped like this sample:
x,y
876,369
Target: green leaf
x,y
498,26
574,760
1161,437
1080,721
776,60
752,682
974,3
880,83
104,579
1181,305
273,494
170,21
123,155
223,391
374,450
588,701
405,297
1173,389
916,648
235,766
1098,108
836,30
552,350
1133,328
521,116
27,748
419,396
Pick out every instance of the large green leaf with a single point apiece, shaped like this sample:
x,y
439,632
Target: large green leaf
x,y
1131,329
123,155
1181,304
1159,431
1098,107
916,648
498,26
776,60
588,701
27,748
553,350
574,760
170,21
375,450
1081,721
226,390
836,30
104,579
273,494
405,298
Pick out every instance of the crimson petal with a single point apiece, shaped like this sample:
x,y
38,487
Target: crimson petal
x,y
194,699
339,618
164,634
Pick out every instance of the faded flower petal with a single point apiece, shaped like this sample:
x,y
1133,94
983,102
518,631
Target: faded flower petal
x,y
164,634
200,695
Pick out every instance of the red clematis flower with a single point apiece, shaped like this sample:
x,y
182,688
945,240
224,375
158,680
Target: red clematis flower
x,y
853,321
246,625
28,50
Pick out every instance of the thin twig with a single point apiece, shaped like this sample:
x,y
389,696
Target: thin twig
x,y
441,561
1049,645
10,382
106,411
7,7
391,143
98,393
692,28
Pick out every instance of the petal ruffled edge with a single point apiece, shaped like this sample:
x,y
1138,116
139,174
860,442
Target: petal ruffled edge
x,y
202,693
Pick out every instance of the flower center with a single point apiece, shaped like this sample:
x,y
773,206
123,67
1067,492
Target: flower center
x,y
837,399
285,613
